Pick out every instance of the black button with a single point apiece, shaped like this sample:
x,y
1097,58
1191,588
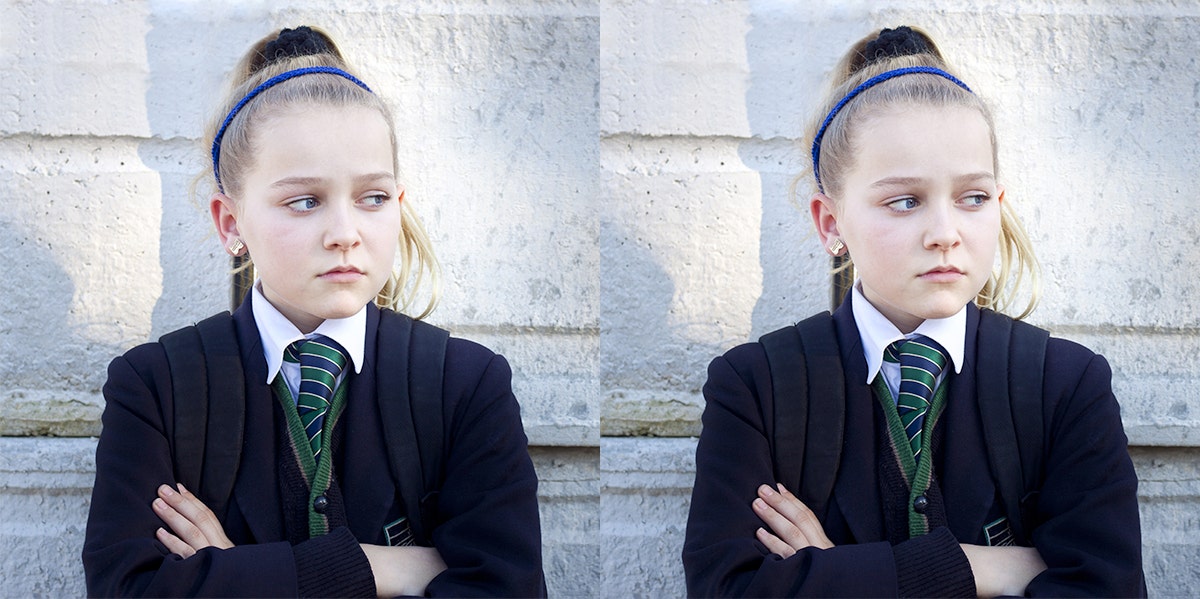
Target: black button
x,y
320,504
920,504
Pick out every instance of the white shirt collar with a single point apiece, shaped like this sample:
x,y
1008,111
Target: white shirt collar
x,y
277,332
877,332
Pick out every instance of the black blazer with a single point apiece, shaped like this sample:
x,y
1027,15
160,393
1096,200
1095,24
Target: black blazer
x,y
1088,530
487,530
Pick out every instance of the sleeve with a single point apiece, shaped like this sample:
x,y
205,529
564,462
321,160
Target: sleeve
x,y
1088,529
488,530
121,556
722,557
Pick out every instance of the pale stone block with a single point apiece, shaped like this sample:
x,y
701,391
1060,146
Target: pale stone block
x,y
1169,485
674,68
646,487
656,413
74,68
81,229
554,379
681,251
568,499
704,250
1156,375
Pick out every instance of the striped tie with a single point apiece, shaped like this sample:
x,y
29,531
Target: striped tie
x,y
921,360
321,360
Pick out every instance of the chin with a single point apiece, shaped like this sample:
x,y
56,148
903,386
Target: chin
x,y
944,310
343,309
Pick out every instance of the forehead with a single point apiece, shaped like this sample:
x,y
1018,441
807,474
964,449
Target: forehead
x,y
325,138
918,140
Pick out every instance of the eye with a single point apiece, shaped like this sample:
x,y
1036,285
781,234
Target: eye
x,y
976,200
303,204
903,204
377,200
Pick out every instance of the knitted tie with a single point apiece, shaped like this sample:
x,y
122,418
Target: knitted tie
x,y
921,360
321,361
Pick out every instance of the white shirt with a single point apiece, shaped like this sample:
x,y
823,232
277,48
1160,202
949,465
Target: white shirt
x,y
277,332
877,332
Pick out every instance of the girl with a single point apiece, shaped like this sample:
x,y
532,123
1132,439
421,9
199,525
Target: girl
x,y
305,182
904,162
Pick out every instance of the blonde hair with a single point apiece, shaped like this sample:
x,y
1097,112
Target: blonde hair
x,y
1018,264
417,260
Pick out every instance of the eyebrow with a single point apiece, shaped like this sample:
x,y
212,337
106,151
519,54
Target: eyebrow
x,y
965,178
302,181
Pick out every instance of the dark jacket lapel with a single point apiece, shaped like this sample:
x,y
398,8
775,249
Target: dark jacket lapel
x,y
256,490
856,489
370,493
966,478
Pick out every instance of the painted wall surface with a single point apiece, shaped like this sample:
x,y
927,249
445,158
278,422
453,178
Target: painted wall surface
x,y
605,182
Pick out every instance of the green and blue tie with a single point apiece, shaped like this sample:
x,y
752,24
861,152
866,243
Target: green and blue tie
x,y
321,361
921,361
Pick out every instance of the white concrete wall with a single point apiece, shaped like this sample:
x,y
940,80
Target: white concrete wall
x,y
605,183
701,110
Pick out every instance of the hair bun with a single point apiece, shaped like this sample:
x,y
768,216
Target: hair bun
x,y
291,43
892,43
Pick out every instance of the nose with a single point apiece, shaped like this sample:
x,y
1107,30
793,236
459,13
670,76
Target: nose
x,y
943,227
342,231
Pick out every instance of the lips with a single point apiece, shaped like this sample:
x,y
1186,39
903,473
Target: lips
x,y
942,274
342,274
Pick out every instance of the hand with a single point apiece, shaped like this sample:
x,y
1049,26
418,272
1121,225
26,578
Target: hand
x,y
193,524
1003,570
403,570
793,524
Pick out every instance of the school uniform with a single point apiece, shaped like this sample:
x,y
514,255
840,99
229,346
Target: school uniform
x,y
486,527
1087,518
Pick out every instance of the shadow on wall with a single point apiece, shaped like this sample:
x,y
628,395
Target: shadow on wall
x,y
44,364
186,76
788,56
642,352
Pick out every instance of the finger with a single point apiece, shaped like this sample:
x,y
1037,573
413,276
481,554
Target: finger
x,y
179,525
198,514
798,516
211,526
780,526
774,544
809,523
173,544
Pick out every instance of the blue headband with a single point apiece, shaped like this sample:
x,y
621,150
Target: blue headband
x,y
864,86
264,86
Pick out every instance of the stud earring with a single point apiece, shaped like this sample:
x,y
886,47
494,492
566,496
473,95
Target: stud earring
x,y
836,246
236,246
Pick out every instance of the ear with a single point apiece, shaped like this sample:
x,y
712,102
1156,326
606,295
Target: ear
x,y
224,215
824,217
999,194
